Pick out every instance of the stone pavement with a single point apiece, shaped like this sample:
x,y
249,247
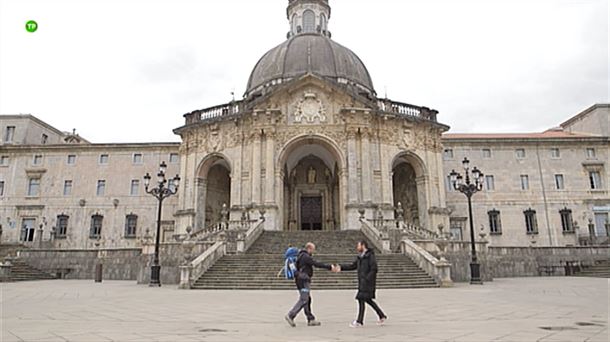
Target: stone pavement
x,y
527,309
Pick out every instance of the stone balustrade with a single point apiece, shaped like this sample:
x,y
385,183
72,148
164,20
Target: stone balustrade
x,y
225,110
393,107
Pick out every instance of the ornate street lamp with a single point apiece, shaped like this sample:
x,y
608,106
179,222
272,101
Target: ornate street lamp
x,y
469,186
160,192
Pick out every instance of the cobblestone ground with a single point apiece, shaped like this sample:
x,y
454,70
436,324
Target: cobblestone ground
x,y
528,309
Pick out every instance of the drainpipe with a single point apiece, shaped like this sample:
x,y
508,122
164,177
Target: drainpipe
x,y
546,204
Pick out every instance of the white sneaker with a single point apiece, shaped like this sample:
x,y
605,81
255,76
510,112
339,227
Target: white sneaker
x,y
355,324
381,322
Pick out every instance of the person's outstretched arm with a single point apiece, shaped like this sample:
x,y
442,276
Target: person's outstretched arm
x,y
350,267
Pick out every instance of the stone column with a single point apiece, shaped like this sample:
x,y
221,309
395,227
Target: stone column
x,y
270,168
201,189
365,164
386,174
352,168
256,167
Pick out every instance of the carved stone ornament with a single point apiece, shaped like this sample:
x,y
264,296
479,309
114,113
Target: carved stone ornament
x,y
214,139
309,109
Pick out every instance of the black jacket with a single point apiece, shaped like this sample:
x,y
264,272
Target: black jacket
x,y
305,265
367,274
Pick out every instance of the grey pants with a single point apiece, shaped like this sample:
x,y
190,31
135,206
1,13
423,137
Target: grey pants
x,y
304,302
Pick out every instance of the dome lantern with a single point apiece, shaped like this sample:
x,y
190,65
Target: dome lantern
x,y
308,16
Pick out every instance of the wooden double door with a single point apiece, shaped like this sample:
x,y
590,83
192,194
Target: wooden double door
x,y
311,213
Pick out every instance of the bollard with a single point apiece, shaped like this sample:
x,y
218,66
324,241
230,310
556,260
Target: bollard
x,y
98,273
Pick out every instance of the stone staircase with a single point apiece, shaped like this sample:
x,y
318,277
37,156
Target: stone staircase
x,y
258,269
599,270
20,270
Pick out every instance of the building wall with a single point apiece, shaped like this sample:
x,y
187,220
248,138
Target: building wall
x,y
594,120
83,201
542,196
28,131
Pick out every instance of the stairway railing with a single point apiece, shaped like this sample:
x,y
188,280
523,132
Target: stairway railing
x,y
417,231
245,241
196,268
378,239
440,270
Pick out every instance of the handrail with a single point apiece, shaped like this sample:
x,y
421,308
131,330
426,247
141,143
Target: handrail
x,y
252,235
217,227
373,235
196,268
440,270
419,232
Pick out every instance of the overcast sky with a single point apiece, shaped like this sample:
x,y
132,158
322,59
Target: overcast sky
x,y
126,71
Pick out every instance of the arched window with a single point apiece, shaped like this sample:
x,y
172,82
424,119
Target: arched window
x,y
323,22
294,23
309,21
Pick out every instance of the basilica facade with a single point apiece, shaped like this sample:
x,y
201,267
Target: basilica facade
x,y
311,146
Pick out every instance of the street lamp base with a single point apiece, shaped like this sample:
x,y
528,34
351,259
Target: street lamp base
x,y
475,274
155,271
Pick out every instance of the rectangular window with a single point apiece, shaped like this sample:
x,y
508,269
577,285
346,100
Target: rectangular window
x,y
490,183
137,158
531,224
525,182
1,188
448,154
103,159
455,228
37,159
595,179
4,161
174,158
62,226
101,187
555,153
495,226
171,185
591,153
34,187
486,153
135,187
44,139
559,184
567,225
96,226
520,153
450,187
71,159
131,224
67,188
9,134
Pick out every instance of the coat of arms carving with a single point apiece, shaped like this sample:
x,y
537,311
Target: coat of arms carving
x,y
310,109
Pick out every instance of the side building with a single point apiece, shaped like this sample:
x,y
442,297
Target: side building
x,y
58,186
543,189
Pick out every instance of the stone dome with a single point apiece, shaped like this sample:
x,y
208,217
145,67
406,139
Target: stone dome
x,y
310,53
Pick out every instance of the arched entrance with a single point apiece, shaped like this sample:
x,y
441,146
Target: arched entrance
x,y
408,188
213,190
311,178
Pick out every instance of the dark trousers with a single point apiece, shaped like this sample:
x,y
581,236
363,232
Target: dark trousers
x,y
362,305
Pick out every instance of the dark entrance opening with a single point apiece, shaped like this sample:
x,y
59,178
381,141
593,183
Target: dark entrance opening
x,y
311,213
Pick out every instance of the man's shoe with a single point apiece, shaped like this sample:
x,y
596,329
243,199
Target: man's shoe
x,y
290,321
356,324
381,321
314,323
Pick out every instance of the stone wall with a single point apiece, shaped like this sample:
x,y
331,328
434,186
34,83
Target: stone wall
x,y
118,264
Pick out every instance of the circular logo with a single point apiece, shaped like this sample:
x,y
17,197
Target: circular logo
x,y
31,26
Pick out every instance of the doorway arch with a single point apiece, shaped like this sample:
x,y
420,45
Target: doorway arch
x,y
409,187
312,178
213,189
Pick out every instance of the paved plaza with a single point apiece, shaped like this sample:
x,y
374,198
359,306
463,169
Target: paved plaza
x,y
527,309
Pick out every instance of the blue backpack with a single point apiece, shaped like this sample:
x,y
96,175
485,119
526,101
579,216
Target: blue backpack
x,y
290,262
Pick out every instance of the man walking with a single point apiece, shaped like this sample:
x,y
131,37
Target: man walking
x,y
366,265
304,274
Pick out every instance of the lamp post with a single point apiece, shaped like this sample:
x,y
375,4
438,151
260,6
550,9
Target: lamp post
x,y
470,185
160,192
